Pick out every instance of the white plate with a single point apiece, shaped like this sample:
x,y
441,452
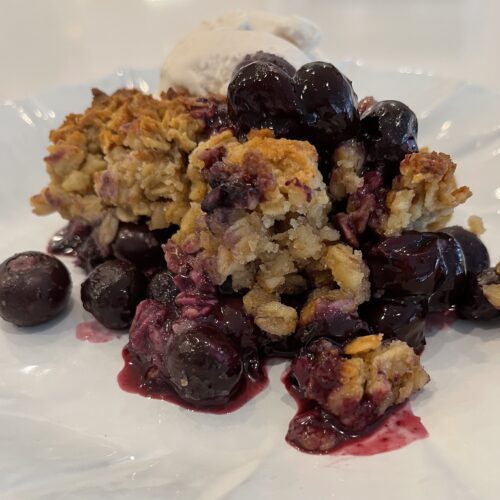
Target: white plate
x,y
68,431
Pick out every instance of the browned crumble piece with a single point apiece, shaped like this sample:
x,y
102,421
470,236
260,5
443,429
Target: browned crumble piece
x,y
125,155
346,177
476,225
349,271
259,213
424,195
359,383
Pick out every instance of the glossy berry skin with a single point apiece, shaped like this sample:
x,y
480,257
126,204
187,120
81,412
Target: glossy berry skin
x,y
203,365
475,252
135,243
266,57
67,240
474,304
328,104
111,293
402,319
405,265
262,95
34,288
162,288
89,255
388,131
452,265
314,431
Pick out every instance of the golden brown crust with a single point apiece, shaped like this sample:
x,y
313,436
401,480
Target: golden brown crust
x,y
424,195
270,247
124,155
349,271
385,373
345,178
476,225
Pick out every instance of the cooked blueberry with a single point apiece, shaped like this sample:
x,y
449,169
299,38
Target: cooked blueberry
x,y
338,326
475,252
148,336
89,255
261,95
69,238
203,365
402,319
314,431
266,57
408,264
481,297
34,287
135,243
162,288
112,292
389,131
328,103
231,195
243,332
452,264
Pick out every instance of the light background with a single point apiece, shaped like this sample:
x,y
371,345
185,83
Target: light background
x,y
54,42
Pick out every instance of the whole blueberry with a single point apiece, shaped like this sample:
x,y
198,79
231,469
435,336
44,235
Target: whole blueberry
x,y
407,264
34,287
266,57
162,288
475,252
397,318
112,291
474,303
328,104
262,95
203,365
389,131
452,264
135,243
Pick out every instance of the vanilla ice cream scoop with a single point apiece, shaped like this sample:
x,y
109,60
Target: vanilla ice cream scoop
x,y
299,31
204,61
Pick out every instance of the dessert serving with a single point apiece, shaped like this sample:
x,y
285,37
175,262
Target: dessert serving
x,y
257,209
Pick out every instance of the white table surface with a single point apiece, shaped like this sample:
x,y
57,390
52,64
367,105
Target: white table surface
x,y
56,42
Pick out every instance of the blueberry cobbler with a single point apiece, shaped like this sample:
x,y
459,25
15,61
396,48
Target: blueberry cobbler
x,y
283,219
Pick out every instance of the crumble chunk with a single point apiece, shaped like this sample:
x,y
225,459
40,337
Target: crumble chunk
x,y
358,383
276,318
125,155
349,271
346,179
424,195
476,225
259,211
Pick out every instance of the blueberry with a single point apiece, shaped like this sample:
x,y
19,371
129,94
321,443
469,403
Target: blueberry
x,y
402,319
148,337
261,95
34,287
89,255
314,431
135,243
452,264
112,291
162,288
266,57
389,131
474,303
203,365
328,104
337,325
69,238
475,252
408,264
